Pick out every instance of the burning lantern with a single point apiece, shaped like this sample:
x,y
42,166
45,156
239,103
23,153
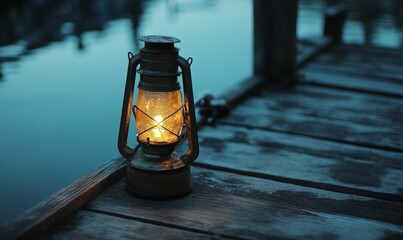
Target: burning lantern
x,y
164,119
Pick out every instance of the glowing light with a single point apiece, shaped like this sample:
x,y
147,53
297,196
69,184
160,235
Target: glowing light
x,y
159,116
158,119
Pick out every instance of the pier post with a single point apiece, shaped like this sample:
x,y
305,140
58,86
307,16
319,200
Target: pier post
x,y
334,21
275,40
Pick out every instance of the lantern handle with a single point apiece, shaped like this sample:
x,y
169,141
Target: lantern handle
x,y
125,150
190,116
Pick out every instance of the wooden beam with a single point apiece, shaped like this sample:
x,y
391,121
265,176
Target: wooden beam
x,y
334,21
307,54
57,207
275,40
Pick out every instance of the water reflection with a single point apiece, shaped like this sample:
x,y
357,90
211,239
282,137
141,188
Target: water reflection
x,y
174,7
35,24
370,13
369,22
378,20
41,22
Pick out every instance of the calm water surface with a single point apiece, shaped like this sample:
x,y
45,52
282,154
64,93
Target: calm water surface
x,y
60,101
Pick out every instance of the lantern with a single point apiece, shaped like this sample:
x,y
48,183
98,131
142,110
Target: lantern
x,y
164,118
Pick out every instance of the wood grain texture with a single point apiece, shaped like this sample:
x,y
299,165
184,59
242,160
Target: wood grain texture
x,y
368,72
343,116
353,54
58,206
245,207
92,225
369,69
361,64
373,50
303,161
351,82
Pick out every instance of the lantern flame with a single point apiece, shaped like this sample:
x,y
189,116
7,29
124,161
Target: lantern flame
x,y
158,119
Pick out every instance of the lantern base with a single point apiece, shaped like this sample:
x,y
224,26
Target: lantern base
x,y
158,185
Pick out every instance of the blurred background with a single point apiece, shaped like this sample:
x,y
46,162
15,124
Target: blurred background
x,y
63,65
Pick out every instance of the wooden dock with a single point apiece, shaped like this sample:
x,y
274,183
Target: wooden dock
x,y
322,160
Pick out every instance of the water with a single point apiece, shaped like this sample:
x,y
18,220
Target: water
x,y
370,22
61,89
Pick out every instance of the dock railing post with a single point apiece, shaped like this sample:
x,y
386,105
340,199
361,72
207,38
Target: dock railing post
x,y
334,21
275,40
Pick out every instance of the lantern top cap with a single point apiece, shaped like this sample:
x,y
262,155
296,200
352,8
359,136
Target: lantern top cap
x,y
159,39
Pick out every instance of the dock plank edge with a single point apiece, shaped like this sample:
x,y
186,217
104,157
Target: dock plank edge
x,y
63,203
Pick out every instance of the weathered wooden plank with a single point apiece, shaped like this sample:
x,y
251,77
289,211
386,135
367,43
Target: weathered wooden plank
x,y
348,70
368,53
370,69
356,118
333,104
357,59
58,206
302,160
92,225
373,50
358,83
246,207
